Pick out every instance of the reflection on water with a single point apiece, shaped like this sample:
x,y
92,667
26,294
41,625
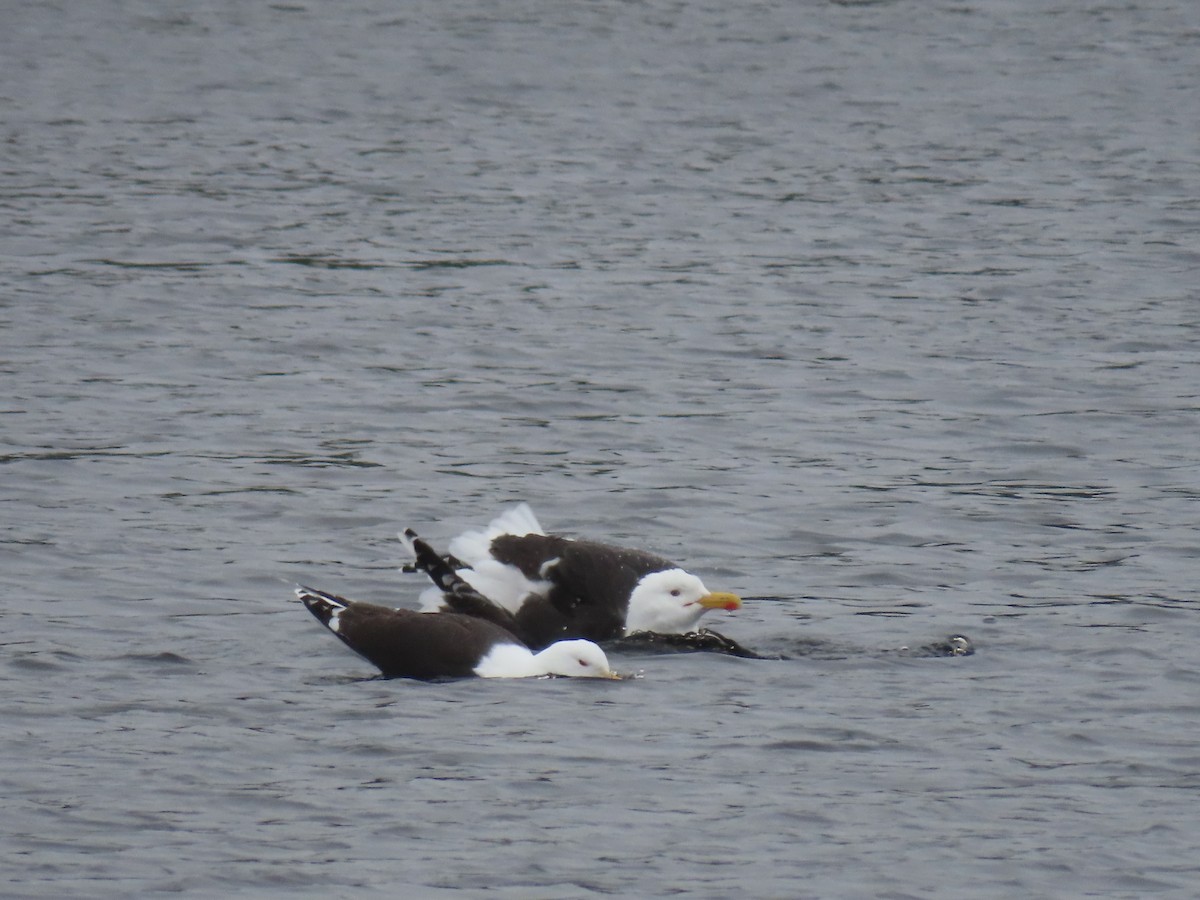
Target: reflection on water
x,y
886,322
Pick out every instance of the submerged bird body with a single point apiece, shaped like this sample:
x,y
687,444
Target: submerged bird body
x,y
404,643
547,588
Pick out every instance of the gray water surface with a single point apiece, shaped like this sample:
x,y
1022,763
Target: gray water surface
x,y
883,315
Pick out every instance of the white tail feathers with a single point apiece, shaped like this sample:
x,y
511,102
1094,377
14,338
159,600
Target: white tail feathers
x,y
473,546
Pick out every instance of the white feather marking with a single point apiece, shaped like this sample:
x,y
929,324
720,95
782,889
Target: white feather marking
x,y
474,546
407,542
431,599
503,584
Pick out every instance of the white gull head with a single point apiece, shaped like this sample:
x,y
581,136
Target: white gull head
x,y
671,602
576,658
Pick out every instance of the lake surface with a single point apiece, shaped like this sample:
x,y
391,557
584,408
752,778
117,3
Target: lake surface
x,y
883,315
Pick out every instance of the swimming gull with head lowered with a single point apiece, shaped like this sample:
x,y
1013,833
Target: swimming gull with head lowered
x,y
404,643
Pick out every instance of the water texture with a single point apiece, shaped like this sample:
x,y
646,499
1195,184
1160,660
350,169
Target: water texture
x,y
881,314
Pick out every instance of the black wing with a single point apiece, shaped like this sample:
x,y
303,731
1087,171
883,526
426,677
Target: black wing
x,y
404,643
590,584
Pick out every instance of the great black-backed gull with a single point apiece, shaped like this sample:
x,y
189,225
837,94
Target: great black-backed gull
x,y
546,588
405,643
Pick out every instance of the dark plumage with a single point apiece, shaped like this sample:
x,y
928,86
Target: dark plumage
x,y
545,587
404,643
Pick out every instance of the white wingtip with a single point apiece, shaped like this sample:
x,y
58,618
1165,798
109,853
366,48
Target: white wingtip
x,y
331,599
335,605
406,538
